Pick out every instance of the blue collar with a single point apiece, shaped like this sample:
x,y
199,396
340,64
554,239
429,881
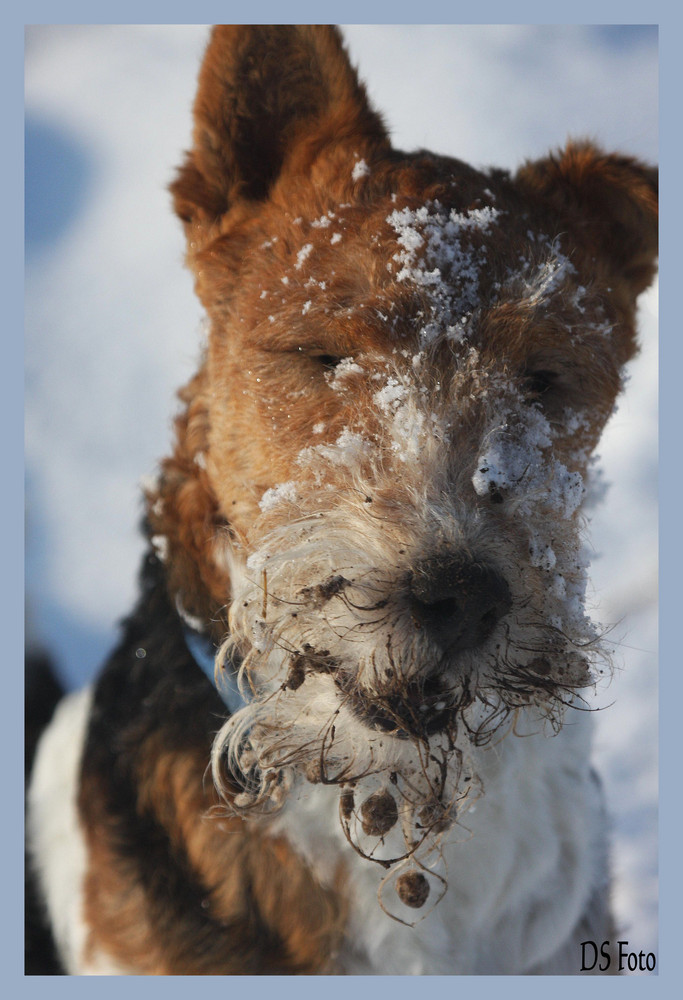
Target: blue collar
x,y
225,681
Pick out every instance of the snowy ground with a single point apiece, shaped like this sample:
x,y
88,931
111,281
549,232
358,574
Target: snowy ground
x,y
113,328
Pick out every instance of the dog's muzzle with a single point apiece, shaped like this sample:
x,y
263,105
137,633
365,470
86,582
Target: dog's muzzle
x,y
457,602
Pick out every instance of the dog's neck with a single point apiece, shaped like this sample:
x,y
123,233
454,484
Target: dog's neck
x,y
224,678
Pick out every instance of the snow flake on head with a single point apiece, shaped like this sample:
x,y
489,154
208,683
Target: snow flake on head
x,y
517,461
517,464
360,169
549,278
337,379
404,404
302,255
323,222
349,450
277,494
440,255
390,397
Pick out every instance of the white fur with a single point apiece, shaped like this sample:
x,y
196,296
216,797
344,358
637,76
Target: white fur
x,y
521,868
55,837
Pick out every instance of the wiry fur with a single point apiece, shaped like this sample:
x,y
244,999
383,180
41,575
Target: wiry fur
x,y
374,512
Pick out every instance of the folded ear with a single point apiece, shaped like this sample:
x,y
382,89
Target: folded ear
x,y
608,201
270,97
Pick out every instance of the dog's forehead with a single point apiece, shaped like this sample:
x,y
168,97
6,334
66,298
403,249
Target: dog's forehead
x,y
416,207
419,252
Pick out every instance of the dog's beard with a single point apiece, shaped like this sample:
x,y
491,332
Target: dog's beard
x,y
344,687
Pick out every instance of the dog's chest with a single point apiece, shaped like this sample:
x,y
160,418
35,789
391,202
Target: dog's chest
x,y
519,867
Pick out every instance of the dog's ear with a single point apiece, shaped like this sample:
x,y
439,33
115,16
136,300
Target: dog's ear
x,y
270,98
609,202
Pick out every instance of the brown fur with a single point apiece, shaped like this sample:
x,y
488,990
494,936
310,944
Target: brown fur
x,y
252,906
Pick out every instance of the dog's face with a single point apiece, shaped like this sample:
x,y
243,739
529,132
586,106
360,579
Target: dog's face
x,y
384,455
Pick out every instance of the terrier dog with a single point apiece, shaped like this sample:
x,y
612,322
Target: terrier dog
x,y
369,536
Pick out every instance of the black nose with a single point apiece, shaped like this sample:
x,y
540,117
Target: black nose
x,y
458,599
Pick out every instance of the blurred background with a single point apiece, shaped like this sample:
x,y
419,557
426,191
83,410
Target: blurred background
x,y
113,329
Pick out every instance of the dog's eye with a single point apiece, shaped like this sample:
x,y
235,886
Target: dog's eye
x,y
329,361
538,383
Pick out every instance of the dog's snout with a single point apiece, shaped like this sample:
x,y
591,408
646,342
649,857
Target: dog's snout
x,y
458,599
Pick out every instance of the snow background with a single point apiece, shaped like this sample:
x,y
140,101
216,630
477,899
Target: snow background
x,y
112,327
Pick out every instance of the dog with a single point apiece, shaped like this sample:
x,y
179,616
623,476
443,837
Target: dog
x,y
344,731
